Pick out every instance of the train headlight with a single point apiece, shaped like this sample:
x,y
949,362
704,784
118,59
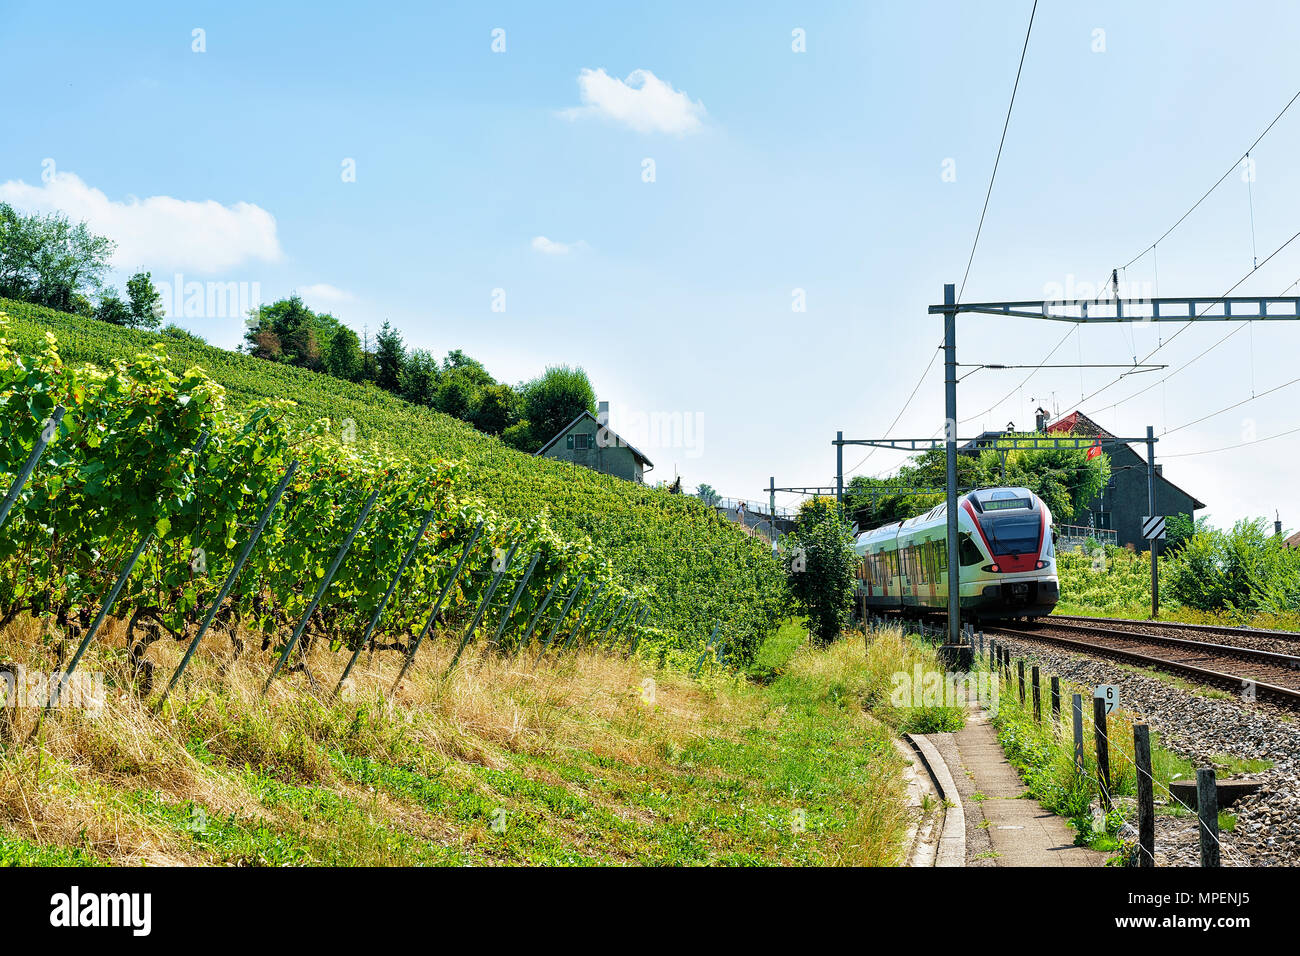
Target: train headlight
x,y
1040,565
992,567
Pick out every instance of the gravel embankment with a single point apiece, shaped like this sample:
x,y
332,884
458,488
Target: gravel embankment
x,y
1200,727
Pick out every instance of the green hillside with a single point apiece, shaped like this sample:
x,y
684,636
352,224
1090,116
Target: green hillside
x,y
702,568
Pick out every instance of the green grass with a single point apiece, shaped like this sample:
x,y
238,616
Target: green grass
x,y
1239,765
501,765
1043,754
15,851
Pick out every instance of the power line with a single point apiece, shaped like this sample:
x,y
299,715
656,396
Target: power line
x,y
1244,401
915,389
1211,451
1006,123
1152,248
1217,183
1187,325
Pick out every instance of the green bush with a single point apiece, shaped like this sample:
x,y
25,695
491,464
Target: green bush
x,y
1246,569
820,567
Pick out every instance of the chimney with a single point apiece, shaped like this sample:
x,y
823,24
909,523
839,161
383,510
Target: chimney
x,y
1277,524
1040,420
602,413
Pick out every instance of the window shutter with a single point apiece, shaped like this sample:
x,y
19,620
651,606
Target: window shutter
x,y
568,442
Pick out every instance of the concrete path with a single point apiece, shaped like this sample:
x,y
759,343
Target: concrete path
x,y
1004,827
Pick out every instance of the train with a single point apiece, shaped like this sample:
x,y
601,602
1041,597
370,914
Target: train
x,y
1005,549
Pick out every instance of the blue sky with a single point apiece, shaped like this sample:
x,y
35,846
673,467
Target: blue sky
x,y
775,171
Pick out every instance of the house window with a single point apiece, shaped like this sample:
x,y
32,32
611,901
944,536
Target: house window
x,y
579,442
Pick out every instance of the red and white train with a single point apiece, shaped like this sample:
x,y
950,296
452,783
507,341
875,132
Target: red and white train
x,y
1008,562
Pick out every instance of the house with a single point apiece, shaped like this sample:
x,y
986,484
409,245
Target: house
x,y
588,441
1293,541
1123,503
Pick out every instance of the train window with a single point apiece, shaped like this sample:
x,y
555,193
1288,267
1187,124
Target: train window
x,y
967,551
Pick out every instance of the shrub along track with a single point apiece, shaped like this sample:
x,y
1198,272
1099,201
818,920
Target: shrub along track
x,y
1274,676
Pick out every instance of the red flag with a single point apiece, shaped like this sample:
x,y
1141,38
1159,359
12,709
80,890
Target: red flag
x,y
1094,451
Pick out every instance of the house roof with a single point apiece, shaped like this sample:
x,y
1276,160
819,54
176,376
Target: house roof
x,y
1077,423
1293,541
618,440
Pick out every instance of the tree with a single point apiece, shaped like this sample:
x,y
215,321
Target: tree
x,y
390,357
419,380
520,435
49,261
708,494
495,408
112,309
455,395
145,302
820,566
557,397
343,355
288,331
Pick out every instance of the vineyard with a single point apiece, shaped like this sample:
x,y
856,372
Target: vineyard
x,y
357,516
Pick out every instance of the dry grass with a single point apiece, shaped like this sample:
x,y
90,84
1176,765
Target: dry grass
x,y
586,759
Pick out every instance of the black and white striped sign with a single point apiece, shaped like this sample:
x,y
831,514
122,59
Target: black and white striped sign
x,y
1153,527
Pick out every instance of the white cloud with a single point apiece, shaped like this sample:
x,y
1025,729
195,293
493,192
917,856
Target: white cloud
x,y
159,232
322,295
642,101
552,248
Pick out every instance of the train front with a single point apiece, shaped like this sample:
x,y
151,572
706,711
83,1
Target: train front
x,y
1017,577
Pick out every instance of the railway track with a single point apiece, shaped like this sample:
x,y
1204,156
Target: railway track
x,y
1268,674
1223,634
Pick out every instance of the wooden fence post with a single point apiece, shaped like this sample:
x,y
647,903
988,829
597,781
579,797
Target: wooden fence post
x,y
1076,705
1103,750
1146,797
1207,809
1056,702
1020,668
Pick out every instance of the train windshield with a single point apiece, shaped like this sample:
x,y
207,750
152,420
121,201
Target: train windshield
x,y
1012,533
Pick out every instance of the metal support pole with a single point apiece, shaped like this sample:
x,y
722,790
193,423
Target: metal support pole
x,y
582,618
839,472
320,591
564,612
229,585
104,610
483,606
437,605
537,616
612,618
950,445
1151,506
379,611
514,598
50,429
771,506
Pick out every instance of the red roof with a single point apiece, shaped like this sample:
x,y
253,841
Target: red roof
x,y
1077,423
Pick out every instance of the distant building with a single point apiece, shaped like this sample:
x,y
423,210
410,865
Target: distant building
x,y
1293,541
1123,503
588,441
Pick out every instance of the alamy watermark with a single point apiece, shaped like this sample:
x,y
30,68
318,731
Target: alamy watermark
x,y
936,688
